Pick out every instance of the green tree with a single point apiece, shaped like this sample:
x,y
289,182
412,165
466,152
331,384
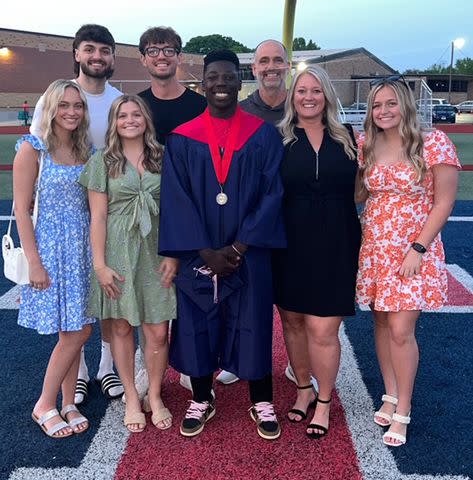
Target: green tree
x,y
299,43
436,68
412,71
464,66
204,44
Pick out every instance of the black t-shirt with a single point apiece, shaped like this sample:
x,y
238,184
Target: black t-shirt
x,y
169,114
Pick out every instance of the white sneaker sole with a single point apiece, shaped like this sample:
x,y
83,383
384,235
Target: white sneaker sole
x,y
185,382
226,378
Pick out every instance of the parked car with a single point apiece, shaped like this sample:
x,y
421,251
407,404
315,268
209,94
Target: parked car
x,y
444,114
357,106
465,107
431,102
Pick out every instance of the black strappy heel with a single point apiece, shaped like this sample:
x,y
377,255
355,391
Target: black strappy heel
x,y
301,413
317,435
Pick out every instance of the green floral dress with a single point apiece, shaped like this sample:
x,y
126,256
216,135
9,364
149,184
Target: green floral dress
x,y
131,245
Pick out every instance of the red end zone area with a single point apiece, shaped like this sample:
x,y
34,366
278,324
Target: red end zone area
x,y
455,128
229,447
13,130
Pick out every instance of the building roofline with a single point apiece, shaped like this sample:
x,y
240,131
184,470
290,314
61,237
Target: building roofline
x,y
441,76
349,52
65,37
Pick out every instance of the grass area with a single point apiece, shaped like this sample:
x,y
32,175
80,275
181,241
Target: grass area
x,y
463,142
7,149
7,153
465,186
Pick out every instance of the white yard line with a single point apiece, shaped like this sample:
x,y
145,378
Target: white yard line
x,y
8,301
376,460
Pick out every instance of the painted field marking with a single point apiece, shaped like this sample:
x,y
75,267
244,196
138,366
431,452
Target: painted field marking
x,y
460,219
375,459
7,218
102,458
9,300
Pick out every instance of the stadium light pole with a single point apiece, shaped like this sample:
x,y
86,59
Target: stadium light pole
x,y
458,42
288,30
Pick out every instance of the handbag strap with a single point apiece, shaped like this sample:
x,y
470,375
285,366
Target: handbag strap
x,y
36,199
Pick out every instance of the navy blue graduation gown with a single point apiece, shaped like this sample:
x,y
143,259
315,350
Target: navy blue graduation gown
x,y
236,332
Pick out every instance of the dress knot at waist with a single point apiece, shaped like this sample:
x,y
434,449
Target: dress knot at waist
x,y
144,205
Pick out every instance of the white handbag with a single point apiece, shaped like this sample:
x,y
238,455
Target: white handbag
x,y
15,263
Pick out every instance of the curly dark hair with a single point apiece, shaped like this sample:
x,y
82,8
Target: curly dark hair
x,y
93,33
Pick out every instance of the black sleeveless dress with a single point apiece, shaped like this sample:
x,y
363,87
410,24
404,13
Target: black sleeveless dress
x,y
316,273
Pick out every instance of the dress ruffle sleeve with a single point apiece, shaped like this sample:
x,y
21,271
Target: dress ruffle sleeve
x,y
439,149
35,142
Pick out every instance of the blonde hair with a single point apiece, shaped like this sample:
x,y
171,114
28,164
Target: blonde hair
x,y
80,136
335,128
113,153
409,128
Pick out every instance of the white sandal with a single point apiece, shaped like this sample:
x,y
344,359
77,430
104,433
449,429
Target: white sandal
x,y
389,436
52,431
379,414
75,421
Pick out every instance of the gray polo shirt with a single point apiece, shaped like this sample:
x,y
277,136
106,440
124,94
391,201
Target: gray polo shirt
x,y
254,105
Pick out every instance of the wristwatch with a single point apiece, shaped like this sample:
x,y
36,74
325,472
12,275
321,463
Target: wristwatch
x,y
418,247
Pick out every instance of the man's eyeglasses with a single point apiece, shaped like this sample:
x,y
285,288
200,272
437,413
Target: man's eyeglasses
x,y
390,79
167,51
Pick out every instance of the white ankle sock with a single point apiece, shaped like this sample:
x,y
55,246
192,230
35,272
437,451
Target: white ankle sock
x,y
83,370
106,361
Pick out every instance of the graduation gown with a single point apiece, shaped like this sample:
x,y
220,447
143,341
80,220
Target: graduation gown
x,y
236,332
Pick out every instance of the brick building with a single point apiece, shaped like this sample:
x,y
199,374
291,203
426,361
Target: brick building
x,y
30,61
349,69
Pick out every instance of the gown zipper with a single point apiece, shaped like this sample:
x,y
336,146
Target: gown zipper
x,y
222,218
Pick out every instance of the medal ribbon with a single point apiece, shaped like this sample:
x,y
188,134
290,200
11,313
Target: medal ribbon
x,y
222,164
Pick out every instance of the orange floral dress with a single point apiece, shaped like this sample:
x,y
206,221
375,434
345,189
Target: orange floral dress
x,y
395,213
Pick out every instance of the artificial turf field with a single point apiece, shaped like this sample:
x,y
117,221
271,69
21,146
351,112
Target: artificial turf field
x,y
463,142
439,438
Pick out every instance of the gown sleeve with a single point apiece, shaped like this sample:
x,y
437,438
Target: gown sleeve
x,y
263,226
182,226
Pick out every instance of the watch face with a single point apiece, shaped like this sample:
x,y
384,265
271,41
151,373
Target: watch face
x,y
418,247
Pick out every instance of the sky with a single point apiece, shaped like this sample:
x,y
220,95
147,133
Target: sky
x,y
402,33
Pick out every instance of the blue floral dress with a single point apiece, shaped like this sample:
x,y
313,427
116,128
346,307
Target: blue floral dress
x,y
62,238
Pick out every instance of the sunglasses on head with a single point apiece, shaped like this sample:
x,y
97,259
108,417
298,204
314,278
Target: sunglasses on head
x,y
390,79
